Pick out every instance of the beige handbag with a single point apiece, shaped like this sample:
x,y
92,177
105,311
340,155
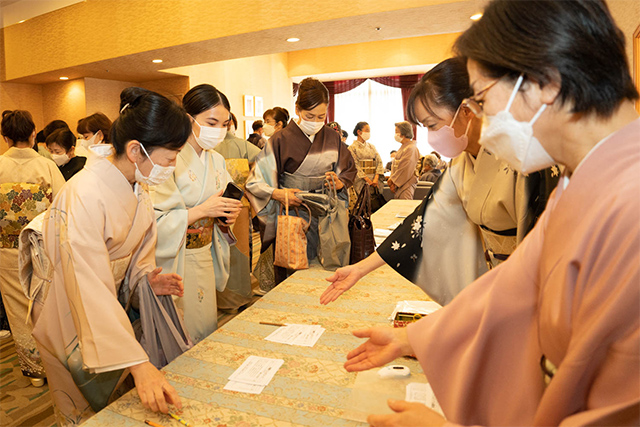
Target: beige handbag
x,y
291,239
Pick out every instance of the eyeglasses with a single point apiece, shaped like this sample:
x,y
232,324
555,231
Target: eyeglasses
x,y
474,104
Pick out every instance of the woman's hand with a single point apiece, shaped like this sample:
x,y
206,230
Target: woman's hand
x,y
341,281
375,181
391,185
218,206
154,390
368,181
279,195
165,284
330,182
383,346
407,414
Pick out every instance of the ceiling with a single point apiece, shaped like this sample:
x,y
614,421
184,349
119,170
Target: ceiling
x,y
435,19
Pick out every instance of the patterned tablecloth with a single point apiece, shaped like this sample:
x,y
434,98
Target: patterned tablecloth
x,y
311,388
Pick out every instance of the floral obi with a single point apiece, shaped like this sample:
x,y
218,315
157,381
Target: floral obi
x,y
20,202
199,234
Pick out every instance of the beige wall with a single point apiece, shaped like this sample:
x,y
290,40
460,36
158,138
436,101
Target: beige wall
x,y
265,76
64,101
626,13
104,96
172,87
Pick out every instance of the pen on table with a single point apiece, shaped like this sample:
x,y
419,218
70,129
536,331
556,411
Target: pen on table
x,y
272,324
152,424
183,422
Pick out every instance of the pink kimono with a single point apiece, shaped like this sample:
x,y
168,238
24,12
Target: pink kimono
x,y
570,292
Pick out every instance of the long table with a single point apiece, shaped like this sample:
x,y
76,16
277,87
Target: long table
x,y
311,388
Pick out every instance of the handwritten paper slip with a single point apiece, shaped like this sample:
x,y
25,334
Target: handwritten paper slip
x,y
294,334
423,393
253,375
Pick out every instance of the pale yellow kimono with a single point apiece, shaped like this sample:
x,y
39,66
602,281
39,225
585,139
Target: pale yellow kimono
x,y
99,233
28,183
200,252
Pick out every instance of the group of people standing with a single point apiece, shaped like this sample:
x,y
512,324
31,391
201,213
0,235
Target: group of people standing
x,y
554,288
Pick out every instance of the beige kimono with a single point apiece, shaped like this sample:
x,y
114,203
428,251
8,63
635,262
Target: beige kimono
x,y
28,183
403,171
99,233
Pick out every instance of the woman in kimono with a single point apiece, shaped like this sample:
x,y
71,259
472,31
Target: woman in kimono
x,y
62,145
403,180
368,162
194,234
100,236
300,157
476,213
275,119
95,135
552,336
28,184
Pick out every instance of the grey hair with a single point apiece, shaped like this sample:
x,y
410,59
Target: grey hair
x,y
405,129
430,160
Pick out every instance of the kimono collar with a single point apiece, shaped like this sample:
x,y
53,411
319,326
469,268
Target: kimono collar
x,y
22,153
111,175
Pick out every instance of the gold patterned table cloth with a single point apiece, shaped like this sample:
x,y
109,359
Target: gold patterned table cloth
x,y
310,389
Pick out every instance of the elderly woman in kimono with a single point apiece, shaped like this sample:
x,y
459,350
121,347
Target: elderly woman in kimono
x,y
100,236
194,235
403,180
477,212
28,184
300,157
368,162
552,336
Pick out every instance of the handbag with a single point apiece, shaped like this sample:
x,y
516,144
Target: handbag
x,y
361,228
334,246
377,199
318,203
291,239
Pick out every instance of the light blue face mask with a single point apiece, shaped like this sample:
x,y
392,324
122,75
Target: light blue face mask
x,y
513,141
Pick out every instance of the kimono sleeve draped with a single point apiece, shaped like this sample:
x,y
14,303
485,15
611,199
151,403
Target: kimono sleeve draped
x,y
172,217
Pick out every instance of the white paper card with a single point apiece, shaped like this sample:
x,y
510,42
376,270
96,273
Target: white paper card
x,y
295,334
423,393
256,370
244,388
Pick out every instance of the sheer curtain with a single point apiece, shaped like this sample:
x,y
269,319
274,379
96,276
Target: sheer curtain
x,y
374,103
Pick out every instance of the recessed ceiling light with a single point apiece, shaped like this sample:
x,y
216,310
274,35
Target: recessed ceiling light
x,y
293,39
476,17
20,22
157,61
64,78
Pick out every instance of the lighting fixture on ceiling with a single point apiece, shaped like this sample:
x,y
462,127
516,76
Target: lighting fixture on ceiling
x,y
64,78
476,17
157,61
20,22
293,39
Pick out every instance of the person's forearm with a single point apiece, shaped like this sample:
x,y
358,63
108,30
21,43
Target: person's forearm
x,y
193,214
369,264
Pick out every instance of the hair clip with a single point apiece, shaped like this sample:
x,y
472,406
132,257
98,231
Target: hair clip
x,y
124,108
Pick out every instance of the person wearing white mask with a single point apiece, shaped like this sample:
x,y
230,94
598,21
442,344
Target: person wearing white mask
x,y
194,236
368,161
94,130
275,119
300,157
100,235
62,146
479,210
403,180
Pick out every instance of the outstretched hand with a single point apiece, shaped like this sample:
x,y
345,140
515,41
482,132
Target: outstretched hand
x,y
407,414
341,281
165,284
383,346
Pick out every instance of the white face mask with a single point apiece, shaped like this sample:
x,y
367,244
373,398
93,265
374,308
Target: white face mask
x,y
310,128
268,129
158,174
398,137
102,150
60,159
513,141
209,137
366,135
